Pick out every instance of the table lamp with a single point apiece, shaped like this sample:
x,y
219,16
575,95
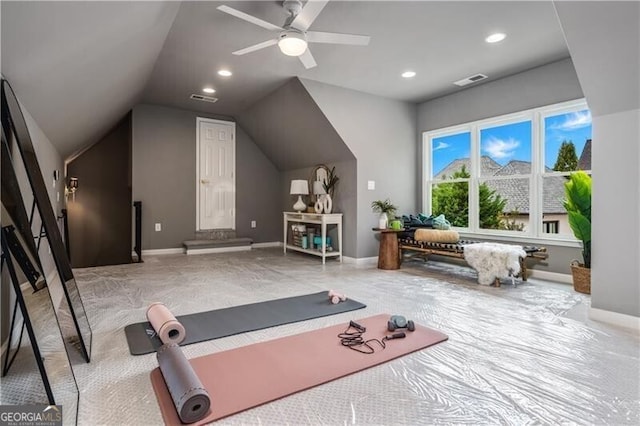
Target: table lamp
x,y
299,187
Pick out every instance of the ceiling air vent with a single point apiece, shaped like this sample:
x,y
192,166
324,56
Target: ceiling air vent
x,y
470,80
204,98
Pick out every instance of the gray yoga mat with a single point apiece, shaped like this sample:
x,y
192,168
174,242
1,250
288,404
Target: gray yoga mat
x,y
190,398
142,338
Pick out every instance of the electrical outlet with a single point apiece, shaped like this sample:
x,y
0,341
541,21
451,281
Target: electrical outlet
x,y
253,223
158,227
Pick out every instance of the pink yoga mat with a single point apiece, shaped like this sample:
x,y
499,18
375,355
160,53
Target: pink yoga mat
x,y
245,377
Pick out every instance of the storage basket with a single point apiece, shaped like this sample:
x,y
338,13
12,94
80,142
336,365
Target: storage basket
x,y
296,238
581,277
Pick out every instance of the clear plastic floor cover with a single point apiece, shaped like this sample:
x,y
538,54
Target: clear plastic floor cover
x,y
523,355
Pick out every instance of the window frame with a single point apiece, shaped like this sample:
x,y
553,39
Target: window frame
x,y
535,229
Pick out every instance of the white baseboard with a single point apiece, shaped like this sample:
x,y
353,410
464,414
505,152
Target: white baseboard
x,y
218,250
152,252
550,276
615,318
268,244
360,260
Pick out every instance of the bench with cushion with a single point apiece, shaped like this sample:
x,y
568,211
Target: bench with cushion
x,y
409,244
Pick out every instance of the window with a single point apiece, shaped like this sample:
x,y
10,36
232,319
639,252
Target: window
x,y
506,175
450,179
550,226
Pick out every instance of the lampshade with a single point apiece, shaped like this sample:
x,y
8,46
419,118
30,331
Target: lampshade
x,y
292,43
73,183
299,187
318,188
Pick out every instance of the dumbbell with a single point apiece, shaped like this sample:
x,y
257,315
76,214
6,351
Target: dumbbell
x,y
336,297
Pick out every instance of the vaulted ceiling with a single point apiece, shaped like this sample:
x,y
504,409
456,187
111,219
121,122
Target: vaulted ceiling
x,y
80,66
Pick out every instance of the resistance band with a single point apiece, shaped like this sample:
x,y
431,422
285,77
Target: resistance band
x,y
352,339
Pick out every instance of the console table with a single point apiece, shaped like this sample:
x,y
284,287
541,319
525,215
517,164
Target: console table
x,y
324,220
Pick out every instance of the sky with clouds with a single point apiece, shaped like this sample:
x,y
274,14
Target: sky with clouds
x,y
513,141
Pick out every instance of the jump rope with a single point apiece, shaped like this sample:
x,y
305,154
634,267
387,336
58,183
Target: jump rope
x,y
352,338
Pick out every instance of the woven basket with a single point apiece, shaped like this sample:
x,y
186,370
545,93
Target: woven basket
x,y
581,277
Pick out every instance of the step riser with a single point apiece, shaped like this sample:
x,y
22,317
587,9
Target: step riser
x,y
216,234
217,250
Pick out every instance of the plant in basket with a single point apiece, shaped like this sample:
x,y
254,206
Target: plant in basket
x,y
578,206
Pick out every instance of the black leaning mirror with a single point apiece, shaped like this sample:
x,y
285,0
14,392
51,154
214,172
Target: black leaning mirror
x,y
36,369
64,291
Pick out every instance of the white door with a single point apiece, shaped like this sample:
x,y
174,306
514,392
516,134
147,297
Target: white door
x,y
216,193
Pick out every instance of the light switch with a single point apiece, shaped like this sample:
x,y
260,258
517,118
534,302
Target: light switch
x,y
158,227
371,185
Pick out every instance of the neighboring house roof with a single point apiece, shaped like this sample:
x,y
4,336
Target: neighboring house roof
x,y
516,191
584,163
488,167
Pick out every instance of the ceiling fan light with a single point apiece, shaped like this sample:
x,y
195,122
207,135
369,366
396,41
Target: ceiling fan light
x,y
292,43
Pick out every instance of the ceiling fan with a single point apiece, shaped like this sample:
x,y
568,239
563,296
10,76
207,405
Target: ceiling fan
x,y
293,35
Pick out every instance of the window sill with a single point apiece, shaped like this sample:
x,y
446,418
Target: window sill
x,y
522,239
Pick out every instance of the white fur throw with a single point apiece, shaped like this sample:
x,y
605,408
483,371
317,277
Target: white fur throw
x,y
493,260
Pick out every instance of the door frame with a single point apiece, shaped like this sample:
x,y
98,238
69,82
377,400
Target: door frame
x,y
233,139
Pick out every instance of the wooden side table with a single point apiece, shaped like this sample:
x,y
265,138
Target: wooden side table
x,y
389,253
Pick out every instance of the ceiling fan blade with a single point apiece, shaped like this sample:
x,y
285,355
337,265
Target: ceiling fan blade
x,y
256,47
336,38
309,13
307,59
249,18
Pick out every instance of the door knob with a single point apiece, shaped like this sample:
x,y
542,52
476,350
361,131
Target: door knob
x,y
204,181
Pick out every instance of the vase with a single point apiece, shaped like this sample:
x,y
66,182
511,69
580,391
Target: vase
x,y
383,221
319,204
327,204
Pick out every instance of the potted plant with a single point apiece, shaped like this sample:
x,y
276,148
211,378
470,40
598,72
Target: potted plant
x,y
387,212
331,181
578,206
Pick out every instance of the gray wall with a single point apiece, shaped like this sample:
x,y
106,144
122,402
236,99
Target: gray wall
x,y
545,85
99,213
291,130
604,41
381,133
164,176
294,133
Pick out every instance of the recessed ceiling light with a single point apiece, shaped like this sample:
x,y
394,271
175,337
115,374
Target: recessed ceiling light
x,y
225,73
496,37
209,90
408,74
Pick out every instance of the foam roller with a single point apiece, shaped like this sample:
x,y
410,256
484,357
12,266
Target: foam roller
x,y
165,324
189,396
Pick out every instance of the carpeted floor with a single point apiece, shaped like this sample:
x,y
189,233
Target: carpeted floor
x,y
523,355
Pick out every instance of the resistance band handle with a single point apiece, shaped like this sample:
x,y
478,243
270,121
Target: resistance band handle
x,y
400,335
357,326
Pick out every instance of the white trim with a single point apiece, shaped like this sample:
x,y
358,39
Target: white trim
x,y
267,244
217,250
360,260
233,138
550,276
519,239
154,252
615,318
